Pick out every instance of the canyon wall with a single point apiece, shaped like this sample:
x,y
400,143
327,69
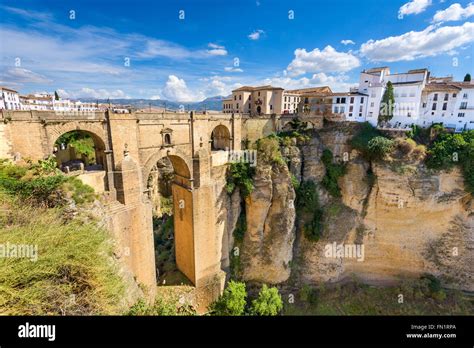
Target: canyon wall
x,y
408,219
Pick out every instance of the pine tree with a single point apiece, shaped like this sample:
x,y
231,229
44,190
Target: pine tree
x,y
467,78
387,104
56,95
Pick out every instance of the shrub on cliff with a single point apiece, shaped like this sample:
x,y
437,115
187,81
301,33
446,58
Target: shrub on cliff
x,y
232,301
239,175
333,172
379,147
449,150
308,210
268,302
361,140
268,150
41,184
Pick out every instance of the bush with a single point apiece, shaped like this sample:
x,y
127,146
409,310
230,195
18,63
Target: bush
x,y
333,173
309,211
239,175
232,301
379,147
268,150
449,150
268,302
406,146
361,140
80,192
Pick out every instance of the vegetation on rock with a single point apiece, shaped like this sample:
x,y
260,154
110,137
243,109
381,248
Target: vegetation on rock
x,y
333,172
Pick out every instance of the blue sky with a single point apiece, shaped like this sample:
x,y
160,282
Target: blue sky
x,y
143,49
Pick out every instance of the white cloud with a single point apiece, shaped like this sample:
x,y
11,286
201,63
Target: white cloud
x,y
455,12
418,44
347,42
17,76
232,69
328,60
216,50
338,83
255,35
176,90
414,7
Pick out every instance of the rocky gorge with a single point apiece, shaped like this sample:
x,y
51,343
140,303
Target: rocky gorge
x,y
388,219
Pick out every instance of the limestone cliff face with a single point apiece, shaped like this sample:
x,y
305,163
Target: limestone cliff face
x,y
409,223
409,220
268,242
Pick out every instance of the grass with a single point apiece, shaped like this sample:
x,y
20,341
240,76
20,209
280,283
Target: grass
x,y
75,273
360,299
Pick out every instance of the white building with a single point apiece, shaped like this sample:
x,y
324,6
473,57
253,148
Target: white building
x,y
9,99
42,102
353,105
407,91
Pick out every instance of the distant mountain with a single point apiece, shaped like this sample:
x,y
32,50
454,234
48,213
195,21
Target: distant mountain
x,y
211,103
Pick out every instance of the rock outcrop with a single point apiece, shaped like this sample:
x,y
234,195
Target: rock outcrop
x,y
268,242
408,219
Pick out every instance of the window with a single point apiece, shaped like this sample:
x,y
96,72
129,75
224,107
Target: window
x,y
336,109
167,139
463,106
362,100
412,94
465,96
342,109
461,114
435,97
352,100
445,106
306,100
338,100
424,105
285,100
454,95
372,104
235,97
284,106
240,97
250,97
361,108
351,108
259,94
372,95
446,97
237,106
271,107
434,106
343,100
360,115
350,114
404,95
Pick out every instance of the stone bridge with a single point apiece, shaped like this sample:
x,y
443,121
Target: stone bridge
x,y
128,148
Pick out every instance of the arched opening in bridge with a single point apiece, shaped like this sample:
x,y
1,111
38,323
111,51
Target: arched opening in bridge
x,y
220,138
79,150
169,191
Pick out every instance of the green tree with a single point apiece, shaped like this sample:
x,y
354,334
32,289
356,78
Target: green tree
x,y
387,104
467,78
232,301
268,302
56,95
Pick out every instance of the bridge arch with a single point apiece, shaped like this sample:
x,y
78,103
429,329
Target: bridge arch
x,y
220,138
181,199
